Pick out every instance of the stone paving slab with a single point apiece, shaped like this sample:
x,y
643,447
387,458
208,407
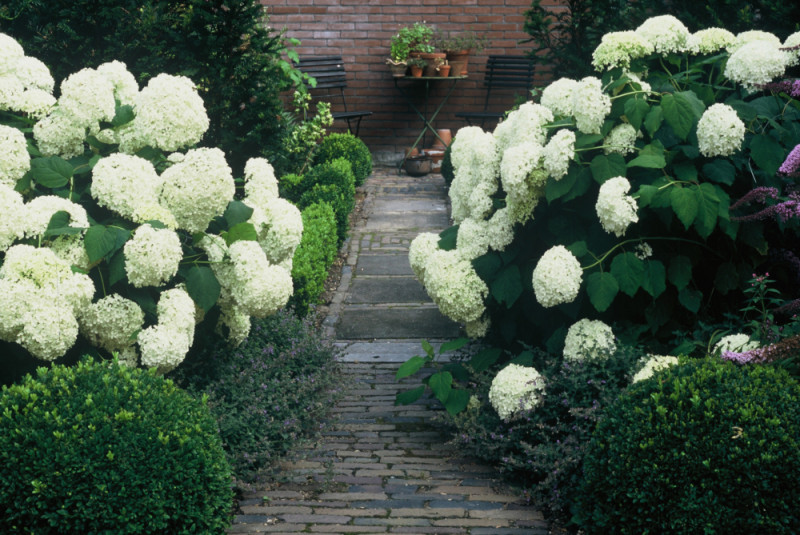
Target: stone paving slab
x,y
420,221
385,290
374,323
383,264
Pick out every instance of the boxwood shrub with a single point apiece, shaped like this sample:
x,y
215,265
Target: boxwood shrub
x,y
101,448
705,447
315,254
331,182
349,147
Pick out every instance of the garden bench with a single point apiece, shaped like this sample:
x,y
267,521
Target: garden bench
x,y
502,73
331,76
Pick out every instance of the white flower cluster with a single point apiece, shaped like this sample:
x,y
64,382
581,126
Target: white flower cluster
x,y
152,256
12,223
127,185
653,364
665,33
523,126
516,389
87,97
523,177
720,132
40,210
475,165
40,300
558,152
589,340
793,55
164,345
752,36
112,322
420,251
454,286
557,97
737,342
620,140
25,82
590,105
756,62
557,277
712,40
15,161
615,209
617,49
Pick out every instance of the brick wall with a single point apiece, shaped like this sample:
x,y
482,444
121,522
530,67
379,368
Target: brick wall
x,y
360,31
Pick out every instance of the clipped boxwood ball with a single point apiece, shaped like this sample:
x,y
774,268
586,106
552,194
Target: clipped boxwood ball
x,y
349,147
448,173
703,447
101,448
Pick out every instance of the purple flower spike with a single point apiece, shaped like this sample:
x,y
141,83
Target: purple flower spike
x,y
791,165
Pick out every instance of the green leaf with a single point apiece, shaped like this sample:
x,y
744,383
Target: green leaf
x,y
59,225
410,367
457,401
237,212
24,183
101,241
523,359
453,345
428,348
654,278
487,265
653,120
690,299
51,172
555,189
685,171
680,271
727,278
409,396
485,359
682,110
122,115
203,286
507,287
607,166
582,183
448,237
635,110
707,209
720,171
628,270
602,289
584,140
684,204
116,268
441,383
579,248
651,157
242,231
767,153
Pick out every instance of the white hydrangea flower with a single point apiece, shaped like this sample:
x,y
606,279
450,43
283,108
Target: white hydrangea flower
x,y
152,256
478,328
170,115
720,132
557,96
643,251
793,56
500,229
215,247
12,222
40,210
260,184
753,36
523,177
558,152
557,277
712,40
48,331
123,183
154,212
126,89
15,161
59,135
653,364
11,90
198,189
617,49
260,288
16,297
70,249
590,105
589,340
36,103
523,126
421,251
111,322
472,240
455,287
637,79
615,209
737,342
176,310
666,33
9,50
128,356
34,74
620,140
475,166
87,97
279,225
162,347
516,389
235,322
756,63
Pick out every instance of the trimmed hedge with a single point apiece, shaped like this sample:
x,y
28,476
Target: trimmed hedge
x,y
349,147
315,254
102,448
704,447
332,182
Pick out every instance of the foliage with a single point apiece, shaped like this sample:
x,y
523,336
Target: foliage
x,y
332,182
350,148
565,38
314,256
447,166
307,133
101,448
119,242
411,39
225,46
703,447
456,42
267,393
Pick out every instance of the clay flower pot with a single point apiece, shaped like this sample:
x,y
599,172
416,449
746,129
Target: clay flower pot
x,y
458,62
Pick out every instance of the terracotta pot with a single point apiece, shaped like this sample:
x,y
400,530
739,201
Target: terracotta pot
x,y
398,70
436,157
444,71
434,59
447,137
412,153
416,72
458,62
419,166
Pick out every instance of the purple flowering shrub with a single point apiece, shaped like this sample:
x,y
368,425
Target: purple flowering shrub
x,y
268,393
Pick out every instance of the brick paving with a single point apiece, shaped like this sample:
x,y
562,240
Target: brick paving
x,y
379,468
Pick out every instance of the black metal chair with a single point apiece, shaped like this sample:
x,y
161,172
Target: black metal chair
x,y
331,76
502,73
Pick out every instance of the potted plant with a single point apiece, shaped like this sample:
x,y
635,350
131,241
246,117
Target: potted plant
x,y
417,65
458,47
411,40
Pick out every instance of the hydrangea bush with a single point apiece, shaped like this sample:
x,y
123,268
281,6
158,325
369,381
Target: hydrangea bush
x,y
119,233
636,196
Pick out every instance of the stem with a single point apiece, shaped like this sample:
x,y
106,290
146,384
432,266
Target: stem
x,y
650,238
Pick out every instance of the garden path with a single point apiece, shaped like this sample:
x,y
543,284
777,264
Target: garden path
x,y
380,468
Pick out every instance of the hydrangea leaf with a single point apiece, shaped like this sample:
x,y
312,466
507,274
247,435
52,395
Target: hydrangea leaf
x,y
602,289
507,287
685,171
241,231
487,265
410,367
653,120
690,299
684,204
523,359
767,153
636,109
453,345
720,171
680,271
203,286
555,189
441,383
101,241
448,238
237,212
707,209
457,401
485,359
682,110
654,278
628,270
116,268
59,225
409,396
604,167
651,157
51,172
122,115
